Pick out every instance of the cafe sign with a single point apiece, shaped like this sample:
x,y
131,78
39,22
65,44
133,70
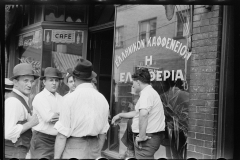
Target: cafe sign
x,y
63,36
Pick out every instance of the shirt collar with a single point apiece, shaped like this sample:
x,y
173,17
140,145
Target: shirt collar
x,y
20,94
84,85
49,93
148,86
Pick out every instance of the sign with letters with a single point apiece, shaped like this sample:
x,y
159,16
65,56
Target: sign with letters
x,y
63,36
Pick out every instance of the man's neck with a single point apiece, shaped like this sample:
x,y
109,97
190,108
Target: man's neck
x,y
143,85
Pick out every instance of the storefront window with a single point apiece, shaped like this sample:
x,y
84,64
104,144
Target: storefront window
x,y
75,13
62,49
149,42
30,47
54,13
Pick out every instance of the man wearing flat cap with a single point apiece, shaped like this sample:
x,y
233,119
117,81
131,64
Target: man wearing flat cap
x,y
83,121
46,105
18,116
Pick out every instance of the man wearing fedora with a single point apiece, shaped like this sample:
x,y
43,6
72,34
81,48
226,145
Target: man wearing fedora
x,y
18,119
68,80
46,105
83,121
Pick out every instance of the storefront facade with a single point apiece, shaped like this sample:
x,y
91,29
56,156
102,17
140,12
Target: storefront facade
x,y
184,51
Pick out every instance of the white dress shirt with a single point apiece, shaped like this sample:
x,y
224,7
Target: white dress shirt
x,y
84,113
150,100
45,104
14,111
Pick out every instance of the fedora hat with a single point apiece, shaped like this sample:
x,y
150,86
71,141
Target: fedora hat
x,y
23,69
8,84
83,70
51,72
67,75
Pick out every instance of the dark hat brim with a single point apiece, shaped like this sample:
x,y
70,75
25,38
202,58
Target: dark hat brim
x,y
93,75
16,76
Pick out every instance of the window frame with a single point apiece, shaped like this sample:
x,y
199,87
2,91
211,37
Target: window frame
x,y
121,39
182,36
148,28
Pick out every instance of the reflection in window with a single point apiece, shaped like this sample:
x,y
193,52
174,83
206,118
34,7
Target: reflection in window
x,y
147,29
38,13
119,37
75,13
183,19
54,13
25,15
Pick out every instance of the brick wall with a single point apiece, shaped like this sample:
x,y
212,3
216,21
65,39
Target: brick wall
x,y
204,82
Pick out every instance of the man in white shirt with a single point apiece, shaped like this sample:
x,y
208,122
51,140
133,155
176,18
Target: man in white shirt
x,y
68,80
148,118
83,121
47,106
18,119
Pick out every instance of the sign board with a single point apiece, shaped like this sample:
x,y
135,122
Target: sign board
x,y
63,36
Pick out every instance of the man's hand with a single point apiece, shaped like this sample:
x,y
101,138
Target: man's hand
x,y
33,120
115,118
54,118
138,139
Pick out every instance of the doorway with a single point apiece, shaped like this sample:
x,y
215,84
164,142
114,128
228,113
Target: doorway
x,y
100,54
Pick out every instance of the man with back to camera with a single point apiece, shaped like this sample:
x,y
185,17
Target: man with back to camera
x,y
83,121
148,118
18,119
46,105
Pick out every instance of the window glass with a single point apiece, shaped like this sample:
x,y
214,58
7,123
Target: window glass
x,y
32,14
54,13
119,37
75,13
149,42
25,15
62,48
30,47
38,13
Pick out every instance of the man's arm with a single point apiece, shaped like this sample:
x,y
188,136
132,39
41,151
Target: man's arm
x,y
143,122
59,145
32,121
123,115
101,140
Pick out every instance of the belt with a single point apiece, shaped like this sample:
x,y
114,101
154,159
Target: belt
x,y
149,134
44,134
85,137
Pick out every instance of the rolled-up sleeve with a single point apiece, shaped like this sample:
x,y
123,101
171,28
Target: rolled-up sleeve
x,y
63,126
105,120
145,102
13,113
43,108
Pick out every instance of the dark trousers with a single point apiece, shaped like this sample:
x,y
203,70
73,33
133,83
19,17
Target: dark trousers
x,y
42,145
11,151
148,147
127,138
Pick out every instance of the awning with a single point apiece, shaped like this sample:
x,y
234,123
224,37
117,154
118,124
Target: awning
x,y
63,61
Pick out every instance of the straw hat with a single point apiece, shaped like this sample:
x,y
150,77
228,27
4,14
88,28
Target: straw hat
x,y
8,84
